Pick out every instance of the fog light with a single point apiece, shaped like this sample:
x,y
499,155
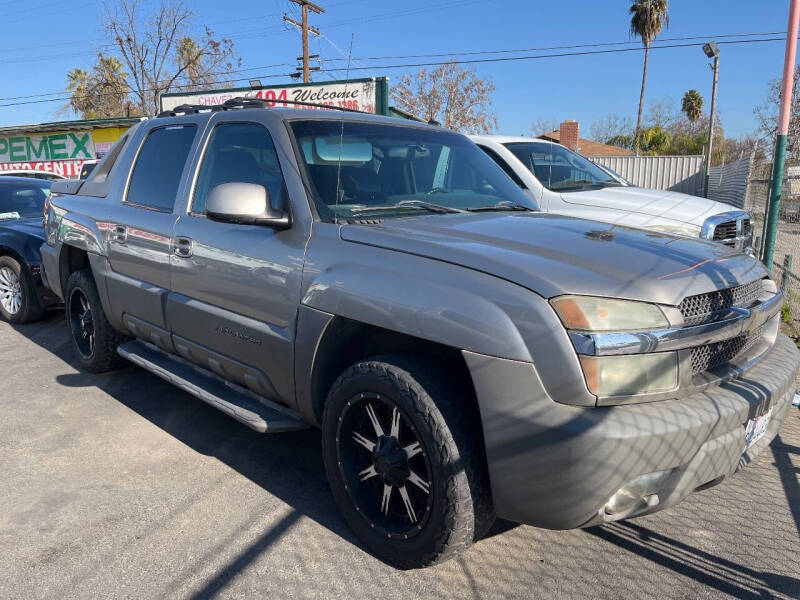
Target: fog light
x,y
635,492
629,375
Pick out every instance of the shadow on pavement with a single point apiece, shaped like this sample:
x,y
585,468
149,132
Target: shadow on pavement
x,y
289,466
714,571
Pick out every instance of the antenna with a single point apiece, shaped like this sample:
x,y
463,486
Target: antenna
x,y
341,136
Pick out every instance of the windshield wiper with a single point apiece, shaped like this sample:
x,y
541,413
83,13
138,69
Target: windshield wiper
x,y
579,183
429,206
504,205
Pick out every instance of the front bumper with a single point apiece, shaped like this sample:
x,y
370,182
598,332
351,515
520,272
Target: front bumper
x,y
556,466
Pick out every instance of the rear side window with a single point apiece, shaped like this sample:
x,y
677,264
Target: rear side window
x,y
99,173
238,153
159,166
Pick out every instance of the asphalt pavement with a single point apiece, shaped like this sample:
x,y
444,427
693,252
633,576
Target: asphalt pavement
x,y
121,486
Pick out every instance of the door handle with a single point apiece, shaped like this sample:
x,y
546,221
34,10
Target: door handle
x,y
119,234
183,247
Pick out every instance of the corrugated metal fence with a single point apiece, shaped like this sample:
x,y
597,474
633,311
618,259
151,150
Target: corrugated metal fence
x,y
676,173
728,183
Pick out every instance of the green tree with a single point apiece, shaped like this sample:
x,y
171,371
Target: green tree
x,y
648,18
100,93
692,105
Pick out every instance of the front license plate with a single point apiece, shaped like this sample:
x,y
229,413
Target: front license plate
x,y
756,428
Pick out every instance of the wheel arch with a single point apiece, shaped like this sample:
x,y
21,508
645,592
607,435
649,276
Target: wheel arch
x,y
6,250
342,342
70,259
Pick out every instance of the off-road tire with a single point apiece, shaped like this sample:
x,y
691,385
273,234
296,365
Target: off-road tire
x,y
104,356
30,309
448,427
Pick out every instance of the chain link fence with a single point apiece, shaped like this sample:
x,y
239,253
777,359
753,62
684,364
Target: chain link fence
x,y
786,263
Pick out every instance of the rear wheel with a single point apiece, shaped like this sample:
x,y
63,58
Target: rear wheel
x,y
403,466
94,339
18,300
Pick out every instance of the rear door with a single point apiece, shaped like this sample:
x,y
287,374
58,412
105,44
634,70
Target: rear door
x,y
236,288
140,231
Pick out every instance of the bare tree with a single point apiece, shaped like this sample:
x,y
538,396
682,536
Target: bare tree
x,y
662,113
611,126
154,49
767,117
544,125
454,96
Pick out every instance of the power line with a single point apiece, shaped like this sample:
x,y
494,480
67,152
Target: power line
x,y
437,63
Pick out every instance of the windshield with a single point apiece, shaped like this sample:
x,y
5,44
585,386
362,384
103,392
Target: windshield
x,y
24,199
558,168
367,170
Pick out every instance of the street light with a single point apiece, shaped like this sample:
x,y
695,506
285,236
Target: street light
x,y
711,51
255,83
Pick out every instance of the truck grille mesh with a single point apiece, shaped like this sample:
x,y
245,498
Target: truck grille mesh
x,y
713,355
726,232
710,307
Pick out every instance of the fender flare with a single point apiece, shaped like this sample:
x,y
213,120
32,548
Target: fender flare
x,y
421,308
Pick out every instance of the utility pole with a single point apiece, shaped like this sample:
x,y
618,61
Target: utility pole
x,y
783,129
712,51
305,6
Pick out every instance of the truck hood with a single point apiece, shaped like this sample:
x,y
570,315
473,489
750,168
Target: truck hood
x,y
656,203
32,226
553,255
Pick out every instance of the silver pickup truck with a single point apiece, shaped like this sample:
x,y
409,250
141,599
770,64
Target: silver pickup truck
x,y
464,355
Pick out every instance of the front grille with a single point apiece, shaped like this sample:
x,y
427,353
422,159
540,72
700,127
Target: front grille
x,y
710,356
726,232
706,308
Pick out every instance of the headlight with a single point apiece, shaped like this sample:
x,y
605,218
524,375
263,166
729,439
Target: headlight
x,y
587,313
631,374
685,230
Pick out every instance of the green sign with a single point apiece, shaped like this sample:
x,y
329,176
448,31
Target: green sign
x,y
55,146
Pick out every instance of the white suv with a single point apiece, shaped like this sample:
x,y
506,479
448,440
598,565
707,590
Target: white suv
x,y
562,181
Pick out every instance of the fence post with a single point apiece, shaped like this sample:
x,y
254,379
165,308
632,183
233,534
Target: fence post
x,y
787,268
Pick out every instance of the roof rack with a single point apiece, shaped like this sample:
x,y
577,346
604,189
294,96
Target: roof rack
x,y
241,102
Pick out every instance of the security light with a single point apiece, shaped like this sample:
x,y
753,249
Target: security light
x,y
255,83
711,49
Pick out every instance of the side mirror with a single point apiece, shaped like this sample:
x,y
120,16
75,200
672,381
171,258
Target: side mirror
x,y
246,204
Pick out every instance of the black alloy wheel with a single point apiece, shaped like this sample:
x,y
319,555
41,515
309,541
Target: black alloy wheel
x,y
384,466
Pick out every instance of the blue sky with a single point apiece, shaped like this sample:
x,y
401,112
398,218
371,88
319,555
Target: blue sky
x,y
43,40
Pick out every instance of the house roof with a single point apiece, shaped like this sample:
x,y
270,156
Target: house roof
x,y
587,147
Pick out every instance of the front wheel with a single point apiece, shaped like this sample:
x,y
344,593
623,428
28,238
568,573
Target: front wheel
x,y
94,339
403,462
18,300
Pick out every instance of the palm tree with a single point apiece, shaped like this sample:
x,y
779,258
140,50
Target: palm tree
x,y
648,17
692,105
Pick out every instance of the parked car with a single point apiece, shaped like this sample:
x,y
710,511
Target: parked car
x,y
564,182
23,296
464,355
87,167
34,173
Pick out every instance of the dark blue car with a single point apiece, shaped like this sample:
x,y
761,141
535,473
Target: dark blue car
x,y
23,296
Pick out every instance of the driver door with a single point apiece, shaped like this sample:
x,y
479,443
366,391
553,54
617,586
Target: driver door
x,y
236,288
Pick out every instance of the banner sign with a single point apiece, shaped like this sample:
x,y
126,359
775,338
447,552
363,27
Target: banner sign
x,y
355,95
65,168
53,146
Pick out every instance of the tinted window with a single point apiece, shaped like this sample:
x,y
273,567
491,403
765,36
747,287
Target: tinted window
x,y
238,153
23,200
558,168
357,169
157,173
